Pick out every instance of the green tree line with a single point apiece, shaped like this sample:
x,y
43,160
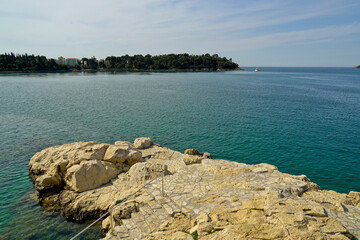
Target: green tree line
x,y
207,62
25,62
169,62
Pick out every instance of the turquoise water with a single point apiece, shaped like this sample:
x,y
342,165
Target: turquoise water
x,y
303,120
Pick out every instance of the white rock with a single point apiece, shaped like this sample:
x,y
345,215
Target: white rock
x,y
141,172
207,155
203,218
143,142
122,143
268,166
122,152
47,167
90,174
260,170
174,160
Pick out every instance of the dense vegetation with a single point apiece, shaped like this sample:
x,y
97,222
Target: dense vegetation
x,y
357,66
169,62
205,62
24,62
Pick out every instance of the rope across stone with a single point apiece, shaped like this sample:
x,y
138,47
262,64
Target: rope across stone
x,y
124,200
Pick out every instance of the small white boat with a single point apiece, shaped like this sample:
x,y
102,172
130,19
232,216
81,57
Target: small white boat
x,y
256,70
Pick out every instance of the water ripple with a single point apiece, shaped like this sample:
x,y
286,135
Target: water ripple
x,y
305,121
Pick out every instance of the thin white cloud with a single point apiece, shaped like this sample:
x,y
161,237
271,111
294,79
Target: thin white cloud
x,y
296,37
113,27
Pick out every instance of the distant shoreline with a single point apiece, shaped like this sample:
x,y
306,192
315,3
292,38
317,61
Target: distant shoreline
x,y
11,62
123,70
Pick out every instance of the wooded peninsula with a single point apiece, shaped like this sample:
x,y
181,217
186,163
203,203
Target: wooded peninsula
x,y
167,62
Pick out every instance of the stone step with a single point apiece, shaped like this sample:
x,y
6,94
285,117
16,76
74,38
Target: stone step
x,y
162,214
146,210
120,229
149,217
137,217
121,232
169,209
154,205
144,228
135,234
128,230
174,206
129,224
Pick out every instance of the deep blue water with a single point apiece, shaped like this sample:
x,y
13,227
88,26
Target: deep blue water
x,y
303,120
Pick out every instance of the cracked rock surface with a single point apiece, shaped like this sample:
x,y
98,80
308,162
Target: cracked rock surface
x,y
211,199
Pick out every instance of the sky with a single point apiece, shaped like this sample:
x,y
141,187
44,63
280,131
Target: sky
x,y
321,33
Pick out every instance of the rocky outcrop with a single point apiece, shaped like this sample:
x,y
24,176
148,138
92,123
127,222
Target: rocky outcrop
x,y
194,156
141,172
228,200
91,174
202,198
207,155
164,156
192,151
122,152
84,179
80,166
143,142
267,217
48,168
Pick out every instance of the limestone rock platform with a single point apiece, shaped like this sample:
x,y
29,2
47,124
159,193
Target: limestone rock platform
x,y
196,198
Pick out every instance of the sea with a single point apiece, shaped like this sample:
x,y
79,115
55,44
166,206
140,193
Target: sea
x,y
303,120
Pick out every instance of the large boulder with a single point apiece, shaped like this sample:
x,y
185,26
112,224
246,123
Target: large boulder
x,y
122,152
143,142
48,167
92,204
91,174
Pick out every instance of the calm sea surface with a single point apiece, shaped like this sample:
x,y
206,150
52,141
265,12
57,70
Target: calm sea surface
x,y
303,120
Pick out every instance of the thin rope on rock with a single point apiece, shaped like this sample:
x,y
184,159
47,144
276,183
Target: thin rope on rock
x,y
124,200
